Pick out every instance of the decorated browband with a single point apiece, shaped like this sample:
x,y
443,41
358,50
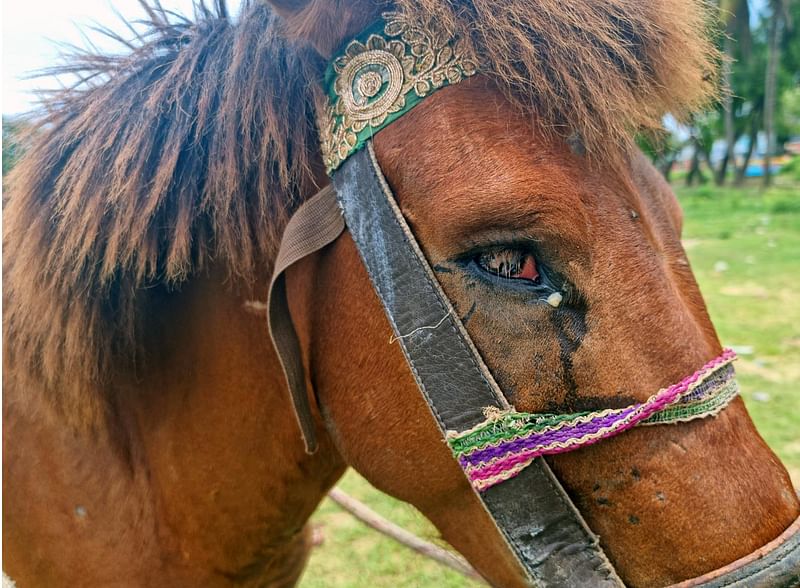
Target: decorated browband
x,y
381,75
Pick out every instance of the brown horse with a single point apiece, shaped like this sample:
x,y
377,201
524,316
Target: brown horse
x,y
148,437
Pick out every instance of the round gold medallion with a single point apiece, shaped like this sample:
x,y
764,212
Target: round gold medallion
x,y
370,83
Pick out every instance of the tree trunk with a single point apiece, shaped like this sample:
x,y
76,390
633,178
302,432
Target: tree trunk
x,y
730,131
742,171
667,165
719,173
769,88
694,168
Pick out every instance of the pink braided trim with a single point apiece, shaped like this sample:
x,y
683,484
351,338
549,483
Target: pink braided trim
x,y
488,474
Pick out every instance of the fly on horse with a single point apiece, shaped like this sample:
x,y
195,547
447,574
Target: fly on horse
x,y
149,435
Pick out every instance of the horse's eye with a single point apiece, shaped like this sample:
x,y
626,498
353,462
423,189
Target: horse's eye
x,y
509,263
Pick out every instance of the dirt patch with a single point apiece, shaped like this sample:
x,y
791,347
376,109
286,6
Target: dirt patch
x,y
746,290
773,371
691,243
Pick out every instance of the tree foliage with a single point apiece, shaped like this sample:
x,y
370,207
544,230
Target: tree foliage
x,y
12,143
742,116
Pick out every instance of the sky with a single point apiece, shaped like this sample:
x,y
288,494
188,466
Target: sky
x,y
31,30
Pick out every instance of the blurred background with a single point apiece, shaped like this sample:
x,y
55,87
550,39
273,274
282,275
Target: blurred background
x,y
754,130
735,169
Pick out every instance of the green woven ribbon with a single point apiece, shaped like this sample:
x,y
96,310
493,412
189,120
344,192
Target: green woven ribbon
x,y
383,74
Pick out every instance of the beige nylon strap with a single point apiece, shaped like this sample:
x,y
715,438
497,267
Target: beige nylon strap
x,y
316,223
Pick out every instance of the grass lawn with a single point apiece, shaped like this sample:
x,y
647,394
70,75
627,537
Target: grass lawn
x,y
744,246
745,251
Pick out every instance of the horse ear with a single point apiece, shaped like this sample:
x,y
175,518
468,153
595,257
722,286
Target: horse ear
x,y
326,24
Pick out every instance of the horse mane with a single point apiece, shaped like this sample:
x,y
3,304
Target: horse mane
x,y
197,144
194,145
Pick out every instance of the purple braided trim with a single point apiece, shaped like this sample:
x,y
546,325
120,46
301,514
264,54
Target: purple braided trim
x,y
543,438
492,464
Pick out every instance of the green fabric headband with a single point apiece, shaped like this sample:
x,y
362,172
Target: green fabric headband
x,y
381,75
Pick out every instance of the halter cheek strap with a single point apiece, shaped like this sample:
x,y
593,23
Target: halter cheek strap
x,y
534,514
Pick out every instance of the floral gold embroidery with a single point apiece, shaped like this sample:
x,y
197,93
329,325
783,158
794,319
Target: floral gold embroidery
x,y
376,81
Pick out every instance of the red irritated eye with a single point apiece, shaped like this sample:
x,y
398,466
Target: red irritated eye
x,y
512,264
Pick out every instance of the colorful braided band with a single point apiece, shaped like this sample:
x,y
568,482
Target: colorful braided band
x,y
507,442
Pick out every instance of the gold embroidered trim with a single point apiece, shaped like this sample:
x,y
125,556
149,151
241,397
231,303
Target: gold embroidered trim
x,y
376,81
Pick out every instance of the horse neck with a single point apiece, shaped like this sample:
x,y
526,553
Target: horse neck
x,y
222,449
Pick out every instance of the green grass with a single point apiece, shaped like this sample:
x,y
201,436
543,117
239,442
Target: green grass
x,y
353,555
744,246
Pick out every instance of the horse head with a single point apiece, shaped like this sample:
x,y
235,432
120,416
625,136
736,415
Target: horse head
x,y
143,399
560,250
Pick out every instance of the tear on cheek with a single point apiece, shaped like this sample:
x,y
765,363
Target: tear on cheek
x,y
555,299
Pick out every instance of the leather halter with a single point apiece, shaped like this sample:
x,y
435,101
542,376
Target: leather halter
x,y
542,527
378,77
